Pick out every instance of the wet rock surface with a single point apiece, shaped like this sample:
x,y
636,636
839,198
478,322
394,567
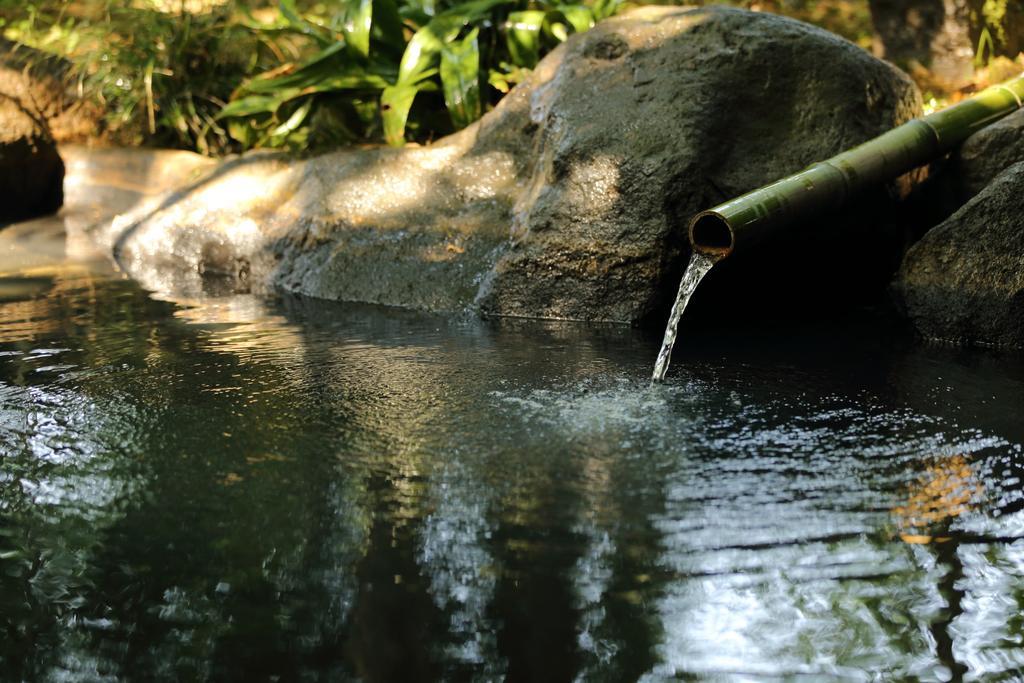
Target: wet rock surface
x,y
569,200
31,171
986,154
964,281
415,227
703,106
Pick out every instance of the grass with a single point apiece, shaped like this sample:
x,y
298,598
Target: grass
x,y
161,77
221,76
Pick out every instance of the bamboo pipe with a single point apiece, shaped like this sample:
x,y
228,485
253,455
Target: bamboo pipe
x,y
826,185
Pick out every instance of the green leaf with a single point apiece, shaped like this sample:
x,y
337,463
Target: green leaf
x,y
419,11
291,13
460,79
424,48
507,77
395,103
298,23
358,21
558,30
268,97
294,121
242,131
295,75
603,9
324,72
523,37
353,78
387,26
580,17
253,104
413,15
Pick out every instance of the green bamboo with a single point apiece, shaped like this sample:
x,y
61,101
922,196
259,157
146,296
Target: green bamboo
x,y
828,185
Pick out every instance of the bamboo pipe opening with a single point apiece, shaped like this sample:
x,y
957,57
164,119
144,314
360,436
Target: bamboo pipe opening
x,y
711,234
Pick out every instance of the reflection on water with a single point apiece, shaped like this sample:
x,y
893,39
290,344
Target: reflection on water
x,y
943,491
233,488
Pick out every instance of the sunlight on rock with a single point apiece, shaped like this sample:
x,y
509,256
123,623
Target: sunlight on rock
x,y
598,183
385,187
255,187
485,176
140,171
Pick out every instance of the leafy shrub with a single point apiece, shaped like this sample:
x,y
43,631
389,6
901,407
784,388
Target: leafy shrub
x,y
161,76
220,76
999,25
375,59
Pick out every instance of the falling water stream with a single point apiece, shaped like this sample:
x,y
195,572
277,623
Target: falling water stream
x,y
699,266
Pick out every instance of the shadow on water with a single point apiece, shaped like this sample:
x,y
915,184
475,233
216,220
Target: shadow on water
x,y
239,489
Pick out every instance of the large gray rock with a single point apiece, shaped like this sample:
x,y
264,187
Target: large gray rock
x,y
31,171
569,200
986,154
415,227
964,281
647,120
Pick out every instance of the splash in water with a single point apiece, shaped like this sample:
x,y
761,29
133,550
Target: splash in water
x,y
699,266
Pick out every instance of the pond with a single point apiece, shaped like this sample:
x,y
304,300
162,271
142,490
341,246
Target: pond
x,y
236,488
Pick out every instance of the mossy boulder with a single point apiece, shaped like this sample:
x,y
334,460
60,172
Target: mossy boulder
x,y
986,154
650,118
964,281
569,200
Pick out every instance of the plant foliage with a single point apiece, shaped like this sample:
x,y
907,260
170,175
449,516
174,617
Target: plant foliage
x,y
161,74
222,76
370,62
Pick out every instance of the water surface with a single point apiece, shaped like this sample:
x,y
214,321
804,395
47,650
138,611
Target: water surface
x,y
239,489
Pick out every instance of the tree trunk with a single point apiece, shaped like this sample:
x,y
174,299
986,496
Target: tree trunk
x,y
926,35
